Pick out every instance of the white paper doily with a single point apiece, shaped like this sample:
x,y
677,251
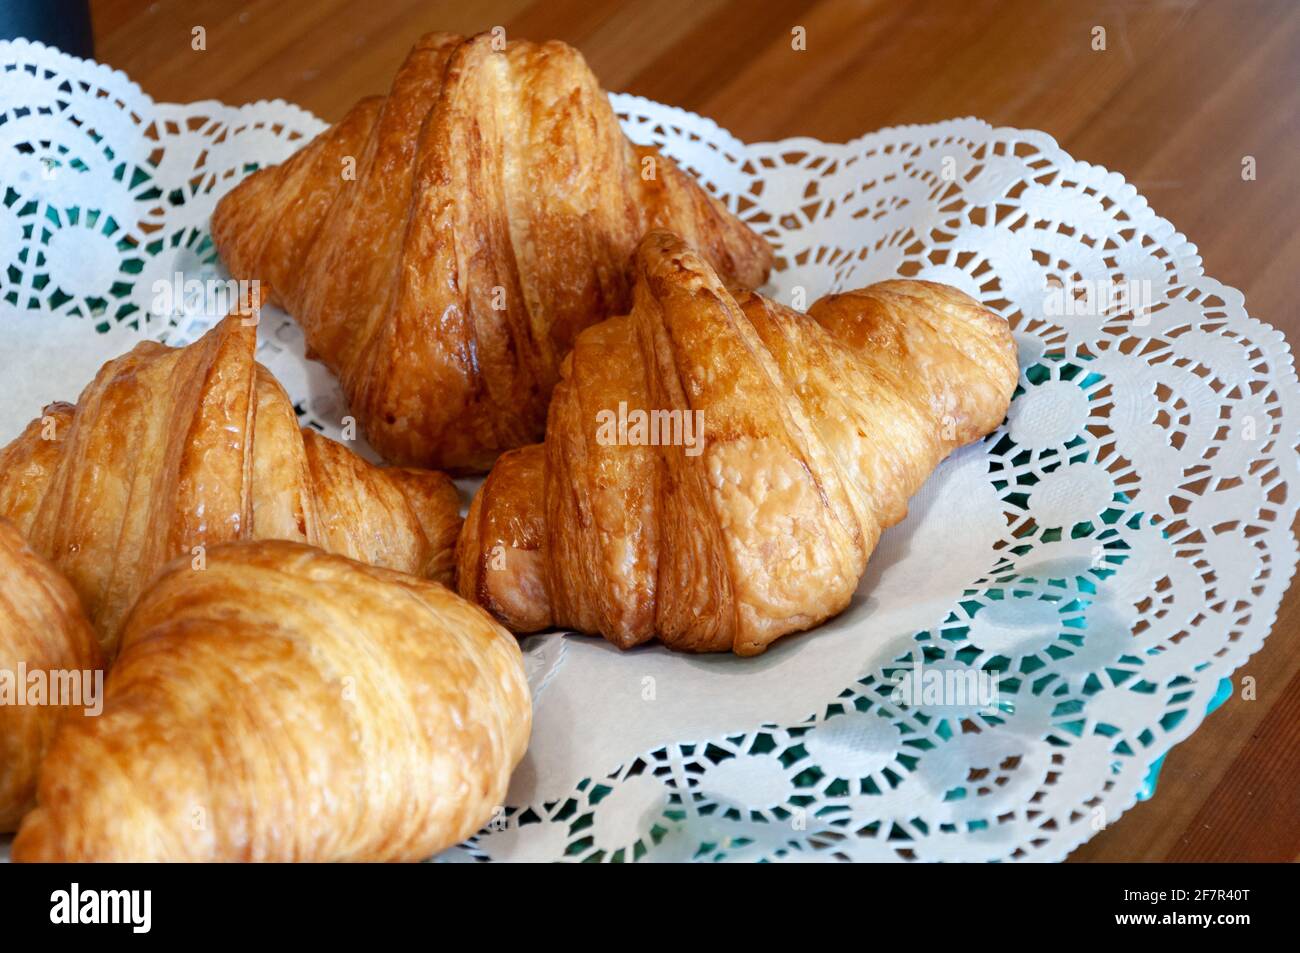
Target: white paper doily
x,y
1118,547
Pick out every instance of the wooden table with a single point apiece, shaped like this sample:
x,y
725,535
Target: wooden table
x,y
1183,91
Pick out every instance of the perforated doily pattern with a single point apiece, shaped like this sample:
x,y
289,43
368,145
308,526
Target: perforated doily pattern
x,y
1144,474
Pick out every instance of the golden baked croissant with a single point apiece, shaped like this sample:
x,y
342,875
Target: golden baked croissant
x,y
170,450
50,667
443,246
284,704
794,440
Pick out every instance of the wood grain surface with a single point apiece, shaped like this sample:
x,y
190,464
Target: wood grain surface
x,y
1183,91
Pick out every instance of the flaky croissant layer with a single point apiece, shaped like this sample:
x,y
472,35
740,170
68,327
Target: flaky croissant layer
x,y
50,668
813,432
443,246
171,450
284,704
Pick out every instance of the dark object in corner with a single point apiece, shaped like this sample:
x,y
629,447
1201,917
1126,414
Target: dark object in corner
x,y
61,23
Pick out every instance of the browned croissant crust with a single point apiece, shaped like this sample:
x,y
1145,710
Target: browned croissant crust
x,y
46,646
287,705
817,429
170,450
494,206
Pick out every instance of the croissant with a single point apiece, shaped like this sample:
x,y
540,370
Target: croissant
x,y
170,450
50,667
443,246
287,705
717,469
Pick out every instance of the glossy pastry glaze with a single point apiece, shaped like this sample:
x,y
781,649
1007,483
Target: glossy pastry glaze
x,y
42,630
817,430
170,450
288,705
443,246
